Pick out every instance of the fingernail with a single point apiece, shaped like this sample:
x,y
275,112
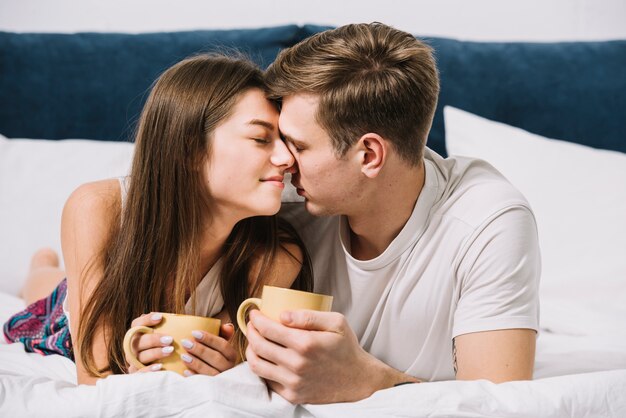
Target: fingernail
x,y
186,343
167,340
156,317
156,367
186,358
167,350
188,373
197,334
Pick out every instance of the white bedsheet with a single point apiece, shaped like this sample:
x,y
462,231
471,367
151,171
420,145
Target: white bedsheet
x,y
33,385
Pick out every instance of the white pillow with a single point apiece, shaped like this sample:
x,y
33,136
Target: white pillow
x,y
578,195
36,178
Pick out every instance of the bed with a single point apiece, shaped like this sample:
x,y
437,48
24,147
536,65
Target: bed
x,y
550,116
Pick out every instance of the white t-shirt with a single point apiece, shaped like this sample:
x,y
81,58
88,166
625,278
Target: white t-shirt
x,y
467,260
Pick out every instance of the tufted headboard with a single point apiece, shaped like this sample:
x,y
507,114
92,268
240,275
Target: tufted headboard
x,y
92,85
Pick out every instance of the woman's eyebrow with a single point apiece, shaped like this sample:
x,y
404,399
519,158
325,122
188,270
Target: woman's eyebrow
x,y
262,123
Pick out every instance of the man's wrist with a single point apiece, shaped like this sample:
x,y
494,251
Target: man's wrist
x,y
390,377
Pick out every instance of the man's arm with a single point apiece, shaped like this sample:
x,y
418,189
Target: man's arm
x,y
314,357
496,317
499,275
498,356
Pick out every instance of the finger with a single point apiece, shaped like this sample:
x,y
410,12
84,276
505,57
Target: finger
x,y
314,320
227,331
151,368
275,386
272,330
208,355
268,350
217,343
198,366
154,354
281,390
143,342
147,320
266,369
139,321
211,349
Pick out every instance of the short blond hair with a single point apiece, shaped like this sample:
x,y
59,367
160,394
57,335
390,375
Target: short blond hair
x,y
369,78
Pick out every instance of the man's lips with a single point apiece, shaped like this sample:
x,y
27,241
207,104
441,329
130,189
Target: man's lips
x,y
299,189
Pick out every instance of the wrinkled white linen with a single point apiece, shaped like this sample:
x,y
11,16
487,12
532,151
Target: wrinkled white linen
x,y
34,385
239,393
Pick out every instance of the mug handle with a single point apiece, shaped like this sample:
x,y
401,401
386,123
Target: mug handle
x,y
243,310
131,357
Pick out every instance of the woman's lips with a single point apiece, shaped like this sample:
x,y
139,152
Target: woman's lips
x,y
279,184
275,181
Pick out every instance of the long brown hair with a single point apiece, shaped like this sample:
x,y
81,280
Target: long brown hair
x,y
153,250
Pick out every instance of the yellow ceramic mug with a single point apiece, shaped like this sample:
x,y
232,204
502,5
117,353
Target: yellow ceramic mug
x,y
275,300
179,327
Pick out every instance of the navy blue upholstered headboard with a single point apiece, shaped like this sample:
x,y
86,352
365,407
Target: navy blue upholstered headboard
x,y
92,85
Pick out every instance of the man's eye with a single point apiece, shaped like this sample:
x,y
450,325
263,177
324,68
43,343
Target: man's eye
x,y
294,148
261,140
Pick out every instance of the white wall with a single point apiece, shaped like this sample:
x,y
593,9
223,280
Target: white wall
x,y
534,20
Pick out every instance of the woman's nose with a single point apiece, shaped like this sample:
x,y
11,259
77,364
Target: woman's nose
x,y
281,156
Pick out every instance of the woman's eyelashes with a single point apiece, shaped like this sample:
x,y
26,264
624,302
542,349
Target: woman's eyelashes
x,y
263,141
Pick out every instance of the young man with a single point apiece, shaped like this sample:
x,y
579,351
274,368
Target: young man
x,y
433,263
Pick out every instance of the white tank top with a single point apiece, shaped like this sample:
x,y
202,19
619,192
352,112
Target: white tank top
x,y
209,301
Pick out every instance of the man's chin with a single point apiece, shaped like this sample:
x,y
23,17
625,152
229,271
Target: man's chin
x,y
316,209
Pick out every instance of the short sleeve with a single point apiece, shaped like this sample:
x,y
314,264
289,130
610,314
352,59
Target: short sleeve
x,y
498,275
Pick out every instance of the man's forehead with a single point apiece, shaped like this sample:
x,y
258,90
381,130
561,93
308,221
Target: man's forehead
x,y
297,120
308,100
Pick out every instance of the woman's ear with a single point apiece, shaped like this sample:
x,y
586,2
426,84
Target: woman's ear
x,y
372,151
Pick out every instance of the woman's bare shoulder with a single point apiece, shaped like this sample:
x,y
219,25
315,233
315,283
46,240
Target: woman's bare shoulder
x,y
98,197
89,215
96,192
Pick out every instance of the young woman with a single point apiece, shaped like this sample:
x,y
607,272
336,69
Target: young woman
x,y
191,230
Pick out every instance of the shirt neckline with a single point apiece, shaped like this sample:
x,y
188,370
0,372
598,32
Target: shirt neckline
x,y
410,233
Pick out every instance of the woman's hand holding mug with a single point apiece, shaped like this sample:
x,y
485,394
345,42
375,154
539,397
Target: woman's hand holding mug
x,y
182,343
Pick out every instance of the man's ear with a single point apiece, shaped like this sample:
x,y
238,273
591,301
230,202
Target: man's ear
x,y
372,152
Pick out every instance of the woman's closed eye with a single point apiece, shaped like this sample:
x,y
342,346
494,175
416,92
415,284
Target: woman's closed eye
x,y
263,141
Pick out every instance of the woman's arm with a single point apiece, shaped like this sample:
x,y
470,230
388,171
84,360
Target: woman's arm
x,y
85,227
